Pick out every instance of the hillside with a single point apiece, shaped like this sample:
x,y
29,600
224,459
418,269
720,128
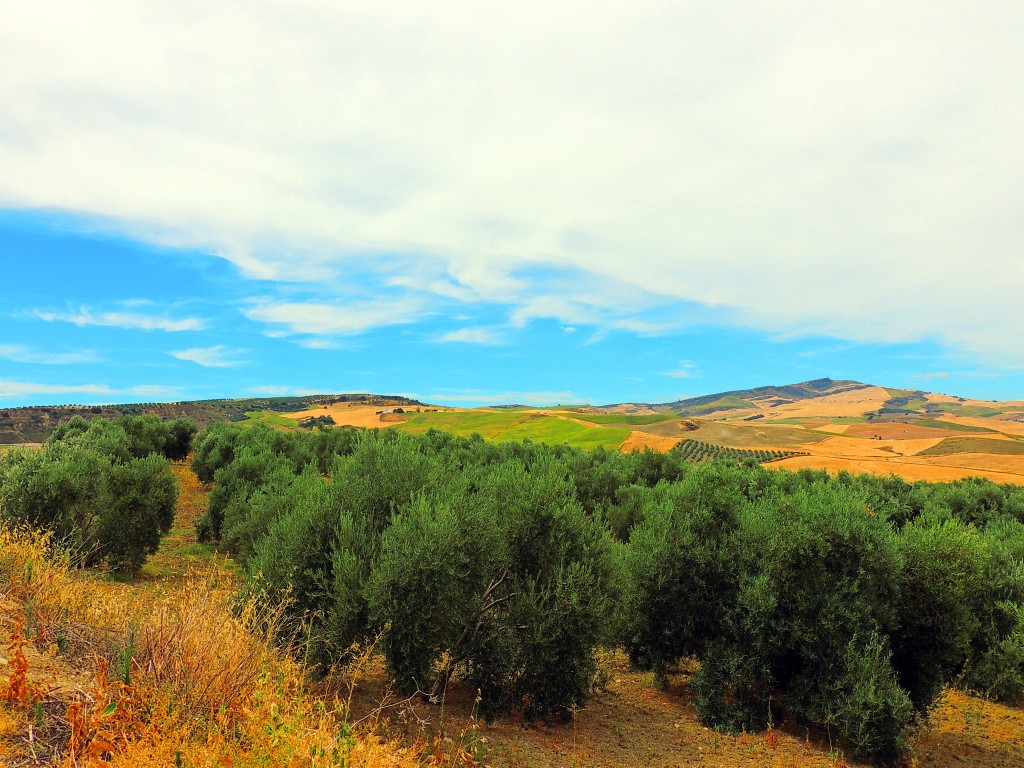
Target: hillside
x,y
32,424
820,424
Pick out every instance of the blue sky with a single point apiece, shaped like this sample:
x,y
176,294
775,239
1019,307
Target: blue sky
x,y
545,203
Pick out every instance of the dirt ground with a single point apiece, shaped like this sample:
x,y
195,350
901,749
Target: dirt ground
x,y
632,724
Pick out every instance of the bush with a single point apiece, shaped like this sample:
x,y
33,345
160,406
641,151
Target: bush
x,y
93,493
680,569
996,665
141,498
871,710
944,562
506,579
815,573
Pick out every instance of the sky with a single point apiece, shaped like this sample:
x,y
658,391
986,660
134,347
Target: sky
x,y
474,203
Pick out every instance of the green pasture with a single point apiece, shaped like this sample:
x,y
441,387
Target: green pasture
x,y
939,424
632,419
539,427
953,445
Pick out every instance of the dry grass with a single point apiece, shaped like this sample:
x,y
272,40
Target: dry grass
x,y
167,671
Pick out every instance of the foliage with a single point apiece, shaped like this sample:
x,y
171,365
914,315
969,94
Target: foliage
x,y
103,488
843,601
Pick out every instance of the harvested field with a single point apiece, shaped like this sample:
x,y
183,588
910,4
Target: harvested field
x,y
982,445
738,435
1003,425
638,441
909,468
855,402
981,462
834,429
895,431
346,414
852,447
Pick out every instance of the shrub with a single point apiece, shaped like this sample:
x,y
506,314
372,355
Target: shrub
x,y
680,569
996,665
503,579
99,501
870,708
816,572
141,499
944,562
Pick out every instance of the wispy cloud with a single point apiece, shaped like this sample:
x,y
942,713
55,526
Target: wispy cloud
x,y
10,389
126,320
25,388
473,336
209,357
158,392
317,343
21,354
319,318
687,369
283,390
271,390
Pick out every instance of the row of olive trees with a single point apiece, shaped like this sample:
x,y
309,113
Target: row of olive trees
x,y
104,488
846,602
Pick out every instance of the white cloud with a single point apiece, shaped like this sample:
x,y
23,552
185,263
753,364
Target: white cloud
x,y
472,336
21,354
271,390
126,320
274,390
158,392
687,369
24,388
209,357
815,168
317,344
319,318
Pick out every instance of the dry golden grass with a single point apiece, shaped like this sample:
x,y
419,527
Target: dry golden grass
x,y
352,415
897,431
853,403
153,673
909,468
638,441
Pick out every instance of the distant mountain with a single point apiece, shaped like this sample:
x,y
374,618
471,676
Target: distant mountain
x,y
805,390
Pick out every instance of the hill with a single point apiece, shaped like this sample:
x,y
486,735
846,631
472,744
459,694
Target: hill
x,y
33,424
819,424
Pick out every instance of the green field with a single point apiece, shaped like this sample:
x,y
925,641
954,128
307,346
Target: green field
x,y
939,424
729,402
269,418
957,409
632,419
953,445
539,427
